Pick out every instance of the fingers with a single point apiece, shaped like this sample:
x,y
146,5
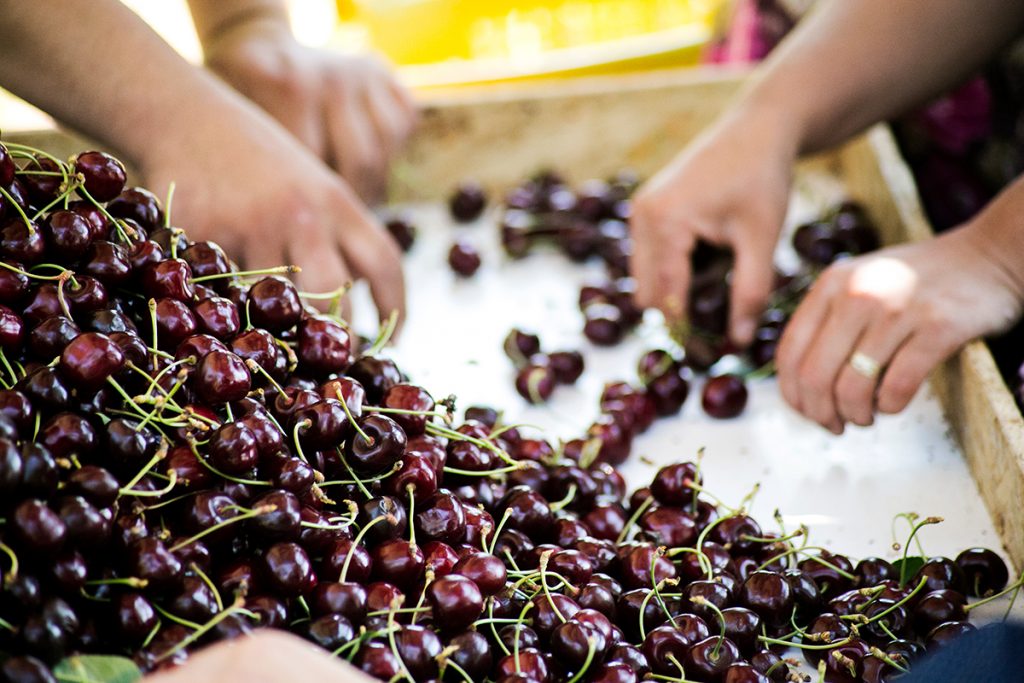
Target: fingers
x,y
909,369
392,120
660,261
354,145
315,252
798,335
752,280
855,393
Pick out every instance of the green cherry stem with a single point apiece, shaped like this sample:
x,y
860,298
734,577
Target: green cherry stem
x,y
279,270
906,546
247,514
358,539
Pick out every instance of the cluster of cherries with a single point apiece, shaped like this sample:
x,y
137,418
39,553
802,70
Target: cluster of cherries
x,y
189,452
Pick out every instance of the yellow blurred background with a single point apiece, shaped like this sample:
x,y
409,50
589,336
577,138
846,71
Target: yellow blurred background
x,y
445,43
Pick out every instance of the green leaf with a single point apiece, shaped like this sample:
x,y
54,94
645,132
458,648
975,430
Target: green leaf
x,y
913,565
96,669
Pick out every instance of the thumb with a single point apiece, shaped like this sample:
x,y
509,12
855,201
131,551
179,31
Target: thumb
x,y
752,279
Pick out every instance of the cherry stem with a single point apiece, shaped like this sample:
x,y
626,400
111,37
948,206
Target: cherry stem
x,y
906,546
804,646
172,482
704,602
193,445
130,581
352,420
387,331
497,530
410,489
656,585
544,558
33,276
640,510
557,506
880,654
24,217
209,584
591,648
358,539
395,604
170,202
300,425
279,270
436,430
124,231
204,629
1009,589
515,643
12,573
428,578
244,515
69,187
335,482
779,539
462,672
494,629
483,473
176,619
257,368
161,453
359,482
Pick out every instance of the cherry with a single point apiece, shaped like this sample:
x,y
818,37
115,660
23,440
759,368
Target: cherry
x,y
944,634
456,601
68,235
95,484
872,571
629,655
805,593
520,346
535,382
274,304
528,665
13,285
26,669
940,573
826,628
7,166
170,278
603,324
359,567
708,659
616,442
669,527
398,562
984,571
42,188
174,322
322,425
770,595
742,672
724,396
710,591
463,258
217,317
221,377
938,607
671,485
830,582
144,253
377,660
441,518
20,244
381,447
329,631
324,345
418,648
260,347
288,570
376,375
671,642
467,202
195,601
771,665
104,176
151,561
486,570
11,330
38,527
139,205
394,524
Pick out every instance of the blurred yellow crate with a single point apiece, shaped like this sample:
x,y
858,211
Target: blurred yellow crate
x,y
453,42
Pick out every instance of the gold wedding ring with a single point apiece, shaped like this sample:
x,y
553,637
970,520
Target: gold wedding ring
x,y
864,365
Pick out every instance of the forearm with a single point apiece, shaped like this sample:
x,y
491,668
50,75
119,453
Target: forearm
x,y
214,18
96,66
852,63
1001,235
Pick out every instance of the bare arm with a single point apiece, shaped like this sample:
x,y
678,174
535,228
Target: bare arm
x,y
241,178
852,63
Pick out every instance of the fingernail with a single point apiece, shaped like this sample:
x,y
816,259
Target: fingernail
x,y
743,331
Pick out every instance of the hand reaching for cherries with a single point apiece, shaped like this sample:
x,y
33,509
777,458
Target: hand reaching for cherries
x,y
873,327
348,109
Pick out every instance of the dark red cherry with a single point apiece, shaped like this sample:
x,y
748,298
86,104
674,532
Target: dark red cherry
x,y
139,205
669,527
467,202
984,571
409,397
324,345
708,659
221,377
603,324
274,304
174,322
381,447
456,602
418,647
7,166
463,258
217,317
21,244
398,562
68,235
770,595
940,573
288,569
376,375
104,176
567,366
666,647
42,188
724,396
403,232
170,278
521,346
90,359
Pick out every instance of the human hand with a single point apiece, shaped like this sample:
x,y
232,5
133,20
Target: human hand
x,y
729,187
245,183
266,655
906,308
348,109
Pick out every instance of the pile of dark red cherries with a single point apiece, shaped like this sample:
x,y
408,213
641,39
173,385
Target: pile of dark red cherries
x,y
189,452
